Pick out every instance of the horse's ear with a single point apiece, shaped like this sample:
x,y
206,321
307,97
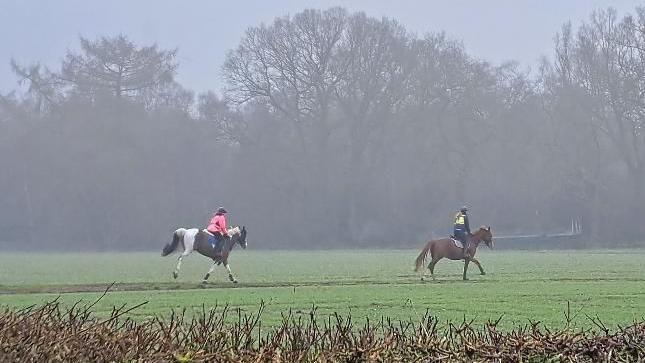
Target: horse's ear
x,y
244,228
488,229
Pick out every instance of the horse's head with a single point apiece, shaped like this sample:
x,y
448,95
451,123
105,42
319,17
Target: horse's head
x,y
486,235
238,235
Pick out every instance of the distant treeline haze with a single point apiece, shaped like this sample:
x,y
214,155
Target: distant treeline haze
x,y
334,128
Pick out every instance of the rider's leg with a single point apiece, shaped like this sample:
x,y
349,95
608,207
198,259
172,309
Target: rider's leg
x,y
461,236
218,242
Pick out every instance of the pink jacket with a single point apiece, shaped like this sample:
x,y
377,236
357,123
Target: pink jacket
x,y
218,225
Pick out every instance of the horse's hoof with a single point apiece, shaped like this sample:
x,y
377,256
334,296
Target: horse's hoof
x,y
483,273
174,275
423,278
235,281
204,282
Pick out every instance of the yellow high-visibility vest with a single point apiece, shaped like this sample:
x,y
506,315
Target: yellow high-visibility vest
x,y
459,219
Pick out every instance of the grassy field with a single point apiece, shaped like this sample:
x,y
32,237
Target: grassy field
x,y
520,286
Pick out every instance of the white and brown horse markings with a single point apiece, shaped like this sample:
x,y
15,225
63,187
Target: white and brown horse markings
x,y
193,239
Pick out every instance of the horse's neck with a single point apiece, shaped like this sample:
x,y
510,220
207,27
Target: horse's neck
x,y
230,242
476,238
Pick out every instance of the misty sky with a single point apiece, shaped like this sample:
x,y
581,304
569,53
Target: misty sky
x,y
495,30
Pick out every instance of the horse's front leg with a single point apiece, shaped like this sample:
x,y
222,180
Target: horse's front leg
x,y
466,261
210,270
230,274
476,262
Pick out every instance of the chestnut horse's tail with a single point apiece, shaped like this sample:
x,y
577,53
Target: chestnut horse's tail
x,y
422,257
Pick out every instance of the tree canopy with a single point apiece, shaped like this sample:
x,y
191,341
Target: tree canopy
x,y
333,128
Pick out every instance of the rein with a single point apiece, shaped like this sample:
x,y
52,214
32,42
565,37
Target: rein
x,y
230,243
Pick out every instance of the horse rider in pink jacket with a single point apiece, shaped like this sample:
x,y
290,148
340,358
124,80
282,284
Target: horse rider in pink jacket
x,y
217,227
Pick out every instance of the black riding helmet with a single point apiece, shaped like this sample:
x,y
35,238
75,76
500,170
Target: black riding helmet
x,y
221,210
464,209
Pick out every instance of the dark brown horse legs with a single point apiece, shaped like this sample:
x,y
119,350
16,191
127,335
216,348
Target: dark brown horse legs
x,y
476,262
466,261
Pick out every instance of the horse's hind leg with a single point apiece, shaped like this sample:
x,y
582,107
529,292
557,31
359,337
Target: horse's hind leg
x,y
430,268
476,262
210,270
175,273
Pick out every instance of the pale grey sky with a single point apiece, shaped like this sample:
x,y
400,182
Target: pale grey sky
x,y
495,30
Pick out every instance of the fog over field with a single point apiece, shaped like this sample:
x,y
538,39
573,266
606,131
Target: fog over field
x,y
319,123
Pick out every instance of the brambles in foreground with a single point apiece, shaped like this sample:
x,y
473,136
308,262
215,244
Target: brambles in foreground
x,y
51,333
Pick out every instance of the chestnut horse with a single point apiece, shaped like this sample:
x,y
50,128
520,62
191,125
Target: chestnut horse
x,y
445,247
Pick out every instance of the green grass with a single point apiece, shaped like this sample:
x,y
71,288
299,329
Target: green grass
x,y
520,286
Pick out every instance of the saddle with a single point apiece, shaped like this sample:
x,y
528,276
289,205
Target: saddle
x,y
457,242
213,241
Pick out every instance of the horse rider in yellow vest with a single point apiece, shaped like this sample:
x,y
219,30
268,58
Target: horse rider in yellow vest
x,y
462,228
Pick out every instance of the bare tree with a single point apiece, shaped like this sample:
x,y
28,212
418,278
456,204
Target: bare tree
x,y
368,95
294,66
610,67
596,100
230,125
168,95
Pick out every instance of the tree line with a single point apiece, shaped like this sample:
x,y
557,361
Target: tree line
x,y
334,128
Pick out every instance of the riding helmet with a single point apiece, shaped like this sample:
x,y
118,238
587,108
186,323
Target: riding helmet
x,y
221,210
464,209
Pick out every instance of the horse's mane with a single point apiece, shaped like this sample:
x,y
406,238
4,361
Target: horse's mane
x,y
234,230
484,228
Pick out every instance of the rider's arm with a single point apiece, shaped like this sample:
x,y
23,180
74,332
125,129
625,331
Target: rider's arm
x,y
223,226
212,225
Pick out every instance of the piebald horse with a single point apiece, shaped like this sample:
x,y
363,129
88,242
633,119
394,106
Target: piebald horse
x,y
445,247
193,239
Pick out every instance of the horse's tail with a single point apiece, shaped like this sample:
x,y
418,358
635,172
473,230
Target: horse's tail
x,y
422,257
172,246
